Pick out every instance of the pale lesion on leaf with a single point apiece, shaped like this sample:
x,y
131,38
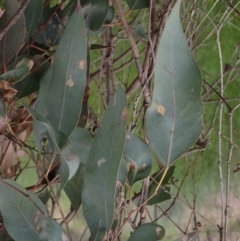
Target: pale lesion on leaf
x,y
81,64
124,114
101,161
160,109
158,231
70,81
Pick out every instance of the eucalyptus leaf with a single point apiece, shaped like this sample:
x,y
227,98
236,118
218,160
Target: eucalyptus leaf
x,y
139,158
22,211
68,156
149,232
33,14
163,192
95,13
13,39
140,32
138,4
69,76
21,70
74,187
104,159
51,231
96,225
82,141
40,107
173,121
31,82
52,32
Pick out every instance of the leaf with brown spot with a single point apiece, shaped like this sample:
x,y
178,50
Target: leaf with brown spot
x,y
149,232
104,160
64,104
173,121
160,109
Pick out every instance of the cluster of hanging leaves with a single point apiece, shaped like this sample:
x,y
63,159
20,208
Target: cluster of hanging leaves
x,y
94,167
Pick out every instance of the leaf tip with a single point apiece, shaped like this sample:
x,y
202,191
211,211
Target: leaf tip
x,y
79,7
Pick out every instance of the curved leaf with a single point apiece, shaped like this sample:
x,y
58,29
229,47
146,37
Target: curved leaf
x,y
33,14
66,152
82,141
22,211
95,13
139,158
161,195
173,121
149,232
104,159
108,19
68,80
74,187
30,83
122,173
21,70
51,231
13,39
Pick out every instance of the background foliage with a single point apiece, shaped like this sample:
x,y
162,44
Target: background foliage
x,y
98,101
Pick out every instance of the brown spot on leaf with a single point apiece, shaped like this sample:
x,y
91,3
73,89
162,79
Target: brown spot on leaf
x,y
160,109
124,114
131,166
70,82
81,64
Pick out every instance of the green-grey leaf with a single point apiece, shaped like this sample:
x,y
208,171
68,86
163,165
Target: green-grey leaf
x,y
94,221
22,211
82,141
68,156
33,14
173,121
14,38
68,80
140,32
193,236
108,19
139,158
51,231
138,4
95,14
21,70
31,82
74,186
149,232
162,194
122,173
104,159
40,107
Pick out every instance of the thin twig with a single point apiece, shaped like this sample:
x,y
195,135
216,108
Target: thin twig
x,y
220,133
